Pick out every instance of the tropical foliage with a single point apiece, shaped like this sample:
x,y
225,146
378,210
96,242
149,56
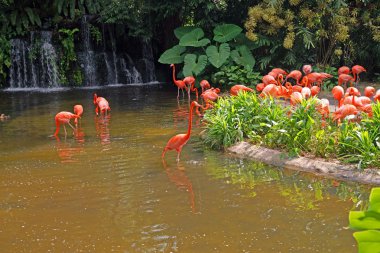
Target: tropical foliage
x,y
298,130
321,32
197,52
368,222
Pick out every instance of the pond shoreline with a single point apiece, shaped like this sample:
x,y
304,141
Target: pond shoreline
x,y
317,166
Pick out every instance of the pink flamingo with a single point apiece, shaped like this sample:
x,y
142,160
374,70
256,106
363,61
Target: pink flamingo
x,y
179,83
78,110
238,87
343,70
101,104
178,141
63,118
356,70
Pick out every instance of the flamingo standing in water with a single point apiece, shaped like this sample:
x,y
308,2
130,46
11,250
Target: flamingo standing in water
x,y
190,82
178,141
63,118
78,110
179,83
101,104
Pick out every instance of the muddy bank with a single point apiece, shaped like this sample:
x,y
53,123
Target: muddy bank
x,y
315,166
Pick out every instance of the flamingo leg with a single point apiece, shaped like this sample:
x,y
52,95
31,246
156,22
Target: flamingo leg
x,y
65,130
178,93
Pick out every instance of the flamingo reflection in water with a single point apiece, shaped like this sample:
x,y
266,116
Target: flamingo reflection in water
x,y
103,131
68,152
179,178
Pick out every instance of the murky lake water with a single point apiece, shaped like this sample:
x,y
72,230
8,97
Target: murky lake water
x,y
105,188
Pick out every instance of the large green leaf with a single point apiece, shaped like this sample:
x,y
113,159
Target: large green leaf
x,y
173,55
364,219
193,67
180,31
368,241
218,57
242,40
194,39
244,57
226,32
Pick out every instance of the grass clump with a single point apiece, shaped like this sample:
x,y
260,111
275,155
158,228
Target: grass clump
x,y
299,130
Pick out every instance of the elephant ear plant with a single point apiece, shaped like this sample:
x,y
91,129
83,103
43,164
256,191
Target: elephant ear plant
x,y
198,52
369,222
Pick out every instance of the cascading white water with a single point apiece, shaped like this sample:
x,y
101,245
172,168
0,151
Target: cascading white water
x,y
148,60
87,58
49,69
34,61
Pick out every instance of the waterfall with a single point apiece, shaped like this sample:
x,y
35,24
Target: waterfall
x,y
49,69
114,57
148,61
87,57
35,63
25,70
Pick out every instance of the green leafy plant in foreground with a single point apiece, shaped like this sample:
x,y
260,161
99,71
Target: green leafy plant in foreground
x,y
368,222
298,130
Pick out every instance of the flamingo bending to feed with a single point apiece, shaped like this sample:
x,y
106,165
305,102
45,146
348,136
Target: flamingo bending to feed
x,y
356,70
63,118
296,75
101,104
190,82
178,141
344,78
270,90
238,87
343,70
179,83
204,85
344,111
369,91
78,110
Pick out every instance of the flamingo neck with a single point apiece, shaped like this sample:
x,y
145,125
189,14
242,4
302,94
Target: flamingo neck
x,y
190,121
355,76
174,80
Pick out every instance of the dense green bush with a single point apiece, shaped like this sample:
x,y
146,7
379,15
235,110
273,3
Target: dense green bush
x,y
299,130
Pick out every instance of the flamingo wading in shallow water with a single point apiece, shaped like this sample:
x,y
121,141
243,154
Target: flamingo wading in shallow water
x,y
101,104
63,118
178,141
179,83
78,110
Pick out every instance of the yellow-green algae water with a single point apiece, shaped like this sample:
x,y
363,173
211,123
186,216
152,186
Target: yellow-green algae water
x,y
105,188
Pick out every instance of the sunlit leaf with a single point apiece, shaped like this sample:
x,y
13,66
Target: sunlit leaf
x,y
194,39
180,31
226,32
173,55
218,57
368,241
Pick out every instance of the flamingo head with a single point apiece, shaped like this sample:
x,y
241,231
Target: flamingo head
x,y
171,65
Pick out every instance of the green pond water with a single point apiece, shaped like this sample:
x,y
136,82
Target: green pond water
x,y
105,188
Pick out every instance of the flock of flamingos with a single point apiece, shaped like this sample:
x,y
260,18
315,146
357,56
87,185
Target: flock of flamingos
x,y
275,84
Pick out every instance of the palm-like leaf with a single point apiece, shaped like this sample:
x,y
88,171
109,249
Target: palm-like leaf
x,y
173,55
192,66
226,32
194,39
218,57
